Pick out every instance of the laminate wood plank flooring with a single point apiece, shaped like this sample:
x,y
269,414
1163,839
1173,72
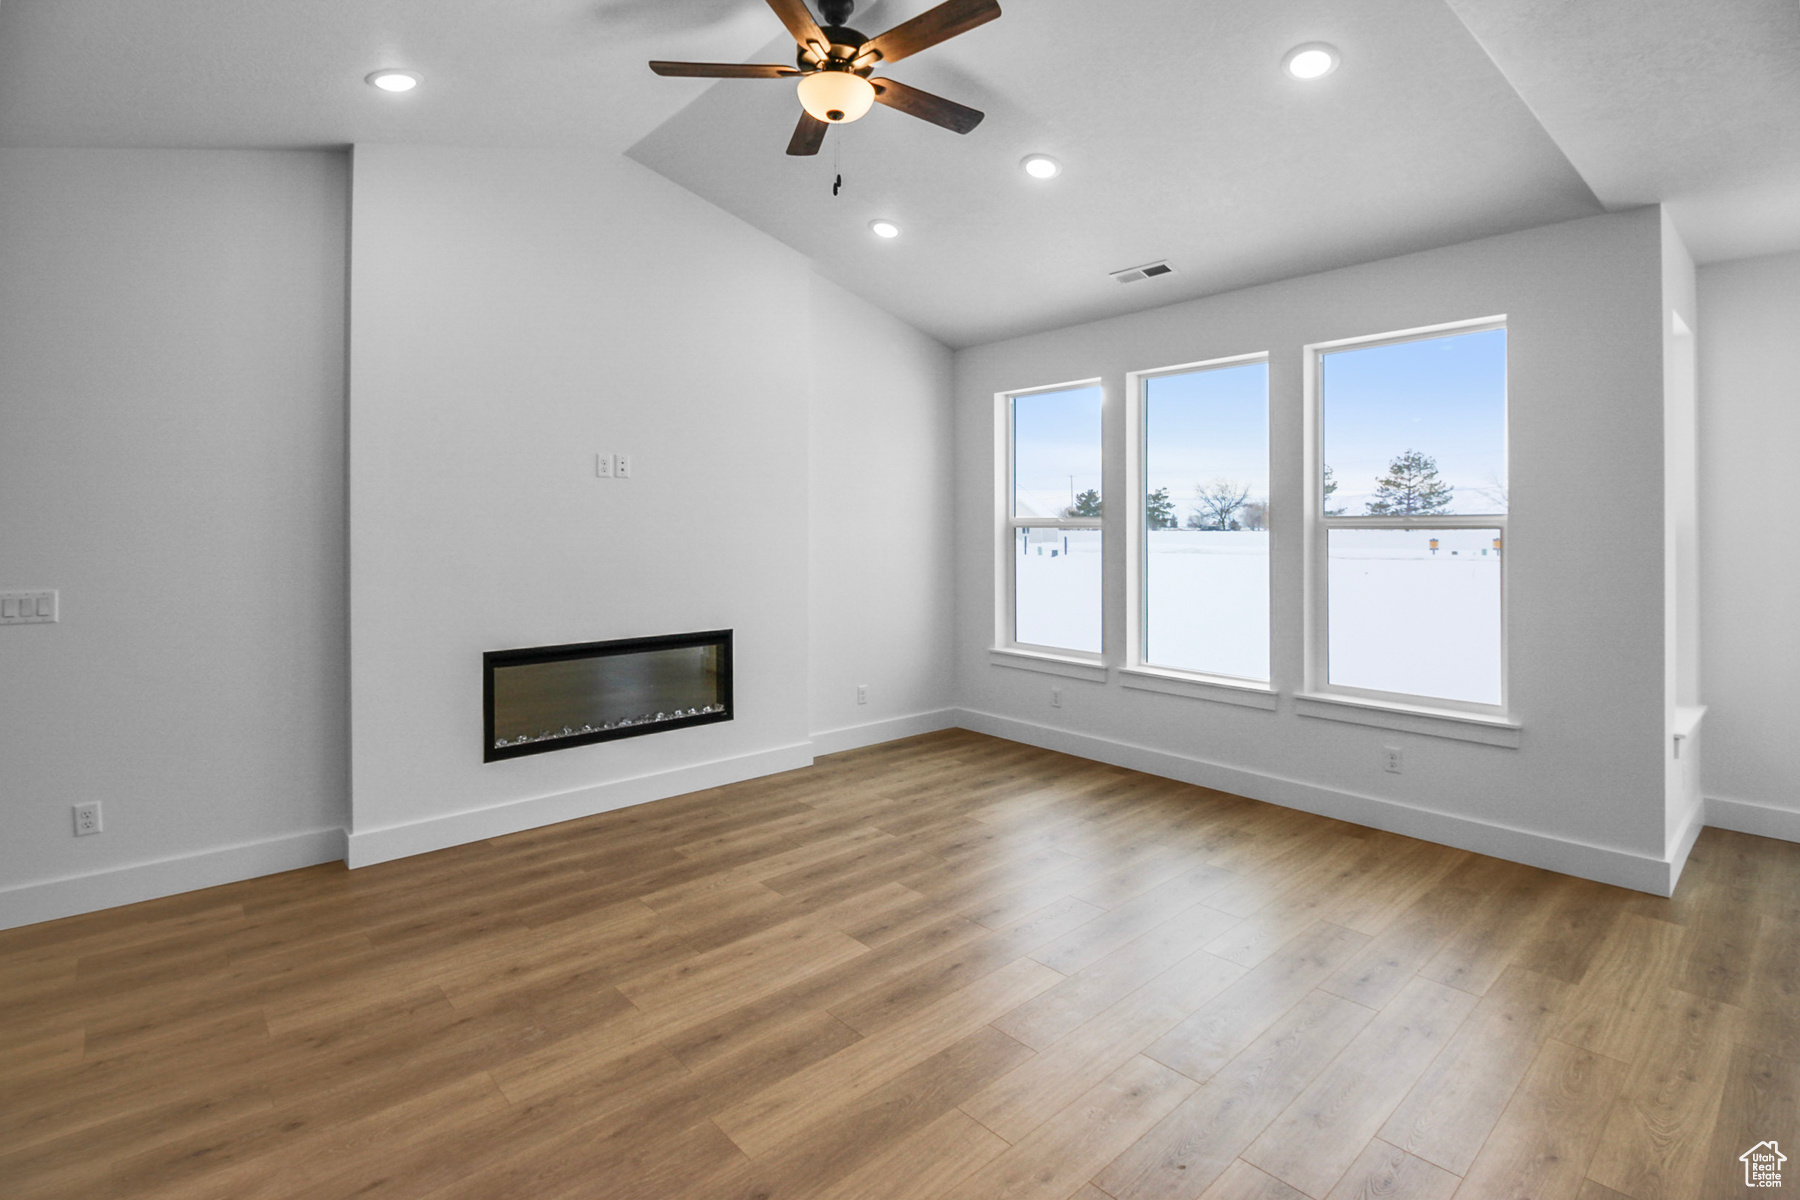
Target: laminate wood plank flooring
x,y
945,968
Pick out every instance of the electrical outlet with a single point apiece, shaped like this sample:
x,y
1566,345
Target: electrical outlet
x,y
621,466
1392,762
862,693
1055,697
87,818
603,464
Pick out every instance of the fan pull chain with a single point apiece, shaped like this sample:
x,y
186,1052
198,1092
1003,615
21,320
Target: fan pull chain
x,y
837,183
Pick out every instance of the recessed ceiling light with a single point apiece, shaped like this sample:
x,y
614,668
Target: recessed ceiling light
x,y
1314,60
1041,166
394,81
885,229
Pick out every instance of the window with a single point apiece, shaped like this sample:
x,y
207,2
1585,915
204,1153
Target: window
x,y
1408,520
1205,557
1054,516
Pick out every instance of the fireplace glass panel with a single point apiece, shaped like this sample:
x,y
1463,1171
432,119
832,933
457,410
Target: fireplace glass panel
x,y
562,696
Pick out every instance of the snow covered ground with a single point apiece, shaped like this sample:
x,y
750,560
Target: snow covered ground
x,y
1401,618
1405,620
1058,573
1209,602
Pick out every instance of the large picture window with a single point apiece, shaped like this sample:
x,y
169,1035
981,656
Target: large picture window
x,y
1409,517
1206,519
1054,509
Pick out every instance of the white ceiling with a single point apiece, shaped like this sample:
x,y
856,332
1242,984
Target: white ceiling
x,y
1181,138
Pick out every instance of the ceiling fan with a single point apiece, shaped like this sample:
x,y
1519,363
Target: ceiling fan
x,y
833,65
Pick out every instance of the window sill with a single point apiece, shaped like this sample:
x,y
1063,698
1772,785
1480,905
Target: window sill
x,y
1067,666
1179,683
1408,718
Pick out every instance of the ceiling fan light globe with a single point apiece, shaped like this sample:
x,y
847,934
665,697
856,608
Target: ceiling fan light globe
x,y
836,97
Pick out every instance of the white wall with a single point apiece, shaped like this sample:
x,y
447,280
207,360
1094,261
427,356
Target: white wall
x,y
171,459
514,313
883,480
1750,577
1684,805
1584,791
172,372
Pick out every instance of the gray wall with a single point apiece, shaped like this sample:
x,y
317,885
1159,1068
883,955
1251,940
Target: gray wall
x,y
171,459
1584,791
883,483
514,313
1749,337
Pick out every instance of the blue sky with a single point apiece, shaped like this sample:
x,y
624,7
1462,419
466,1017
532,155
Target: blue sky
x,y
1056,435
1443,396
1205,425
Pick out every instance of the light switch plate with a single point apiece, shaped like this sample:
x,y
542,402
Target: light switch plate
x,y
27,608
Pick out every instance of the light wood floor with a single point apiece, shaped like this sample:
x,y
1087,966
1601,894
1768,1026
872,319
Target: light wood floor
x,y
946,967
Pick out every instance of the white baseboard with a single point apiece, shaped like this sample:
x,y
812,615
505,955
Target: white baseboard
x,y
1683,844
855,737
1604,864
1759,819
369,846
29,903
47,900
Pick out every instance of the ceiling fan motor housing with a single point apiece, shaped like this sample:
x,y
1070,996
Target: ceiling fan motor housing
x,y
842,42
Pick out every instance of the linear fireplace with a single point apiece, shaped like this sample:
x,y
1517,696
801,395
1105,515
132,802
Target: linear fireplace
x,y
554,697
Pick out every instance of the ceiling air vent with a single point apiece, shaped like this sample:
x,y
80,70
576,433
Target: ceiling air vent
x,y
1133,274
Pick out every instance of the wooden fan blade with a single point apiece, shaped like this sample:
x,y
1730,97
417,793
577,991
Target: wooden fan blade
x,y
799,21
958,118
809,135
726,70
935,25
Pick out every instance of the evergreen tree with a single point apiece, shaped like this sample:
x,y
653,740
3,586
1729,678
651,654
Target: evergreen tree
x,y
1331,485
1216,505
1159,510
1410,488
1086,505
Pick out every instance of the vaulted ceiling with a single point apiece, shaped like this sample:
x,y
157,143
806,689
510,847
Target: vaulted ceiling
x,y
1180,136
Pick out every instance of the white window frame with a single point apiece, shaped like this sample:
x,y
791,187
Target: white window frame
x,y
1139,671
1008,650
1318,526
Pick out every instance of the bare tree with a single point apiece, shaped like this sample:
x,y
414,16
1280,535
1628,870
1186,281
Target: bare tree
x,y
1216,505
1494,492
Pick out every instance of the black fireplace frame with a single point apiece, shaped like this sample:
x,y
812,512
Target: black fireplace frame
x,y
542,654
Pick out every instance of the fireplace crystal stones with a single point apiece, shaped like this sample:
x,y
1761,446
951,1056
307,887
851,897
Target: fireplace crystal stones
x,y
554,697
